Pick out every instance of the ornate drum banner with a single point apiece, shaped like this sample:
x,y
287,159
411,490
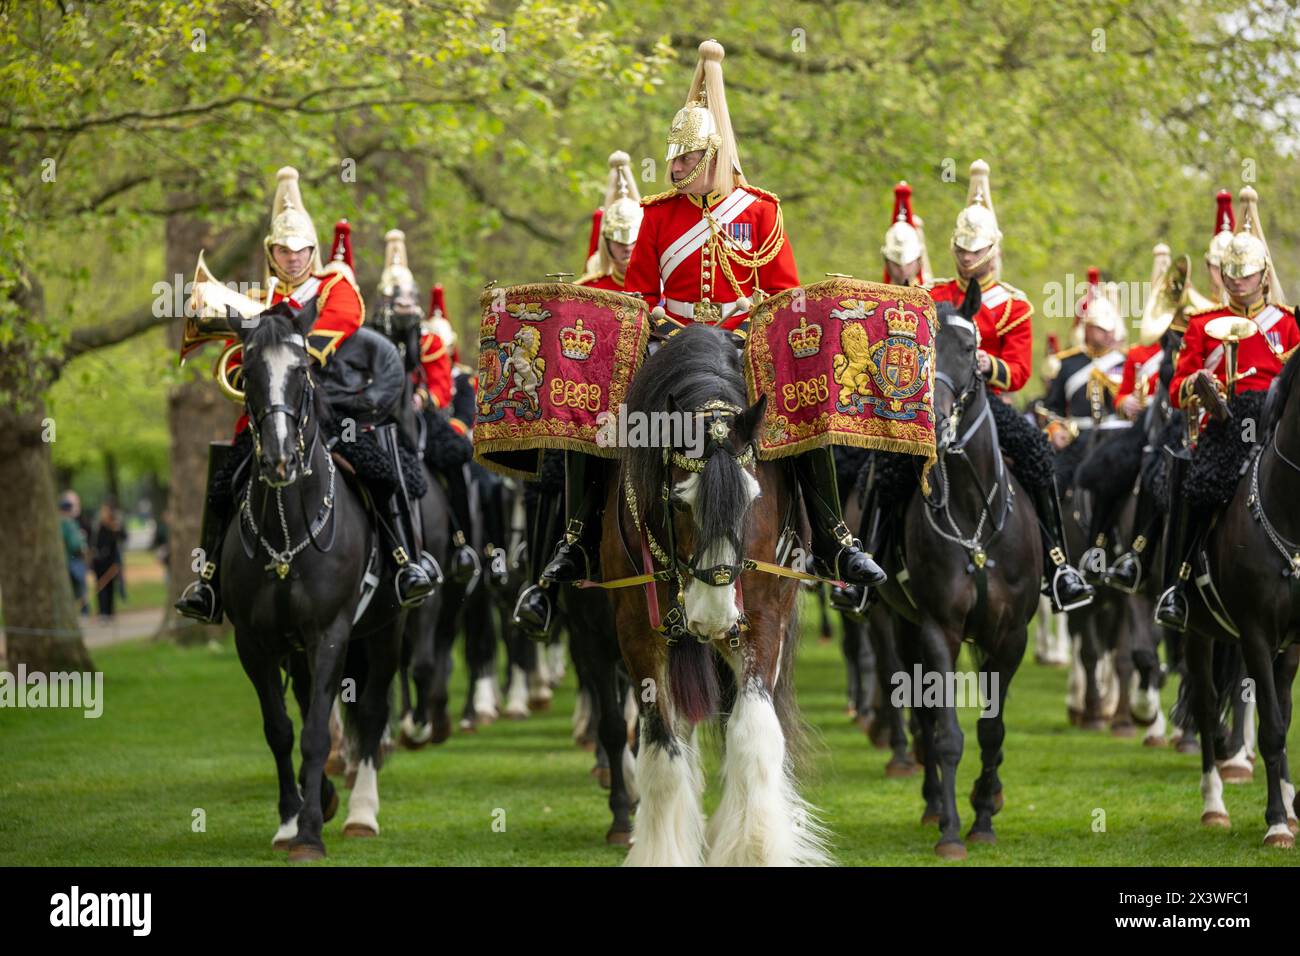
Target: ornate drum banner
x,y
553,357
844,362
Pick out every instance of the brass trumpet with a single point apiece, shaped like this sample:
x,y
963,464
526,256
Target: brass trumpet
x,y
212,308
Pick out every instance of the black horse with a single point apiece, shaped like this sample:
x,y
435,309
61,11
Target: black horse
x,y
963,562
1248,592
304,585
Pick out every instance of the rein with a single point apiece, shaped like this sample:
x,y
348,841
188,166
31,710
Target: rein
x,y
956,445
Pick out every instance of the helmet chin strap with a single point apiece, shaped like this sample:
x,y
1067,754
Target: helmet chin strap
x,y
700,167
979,263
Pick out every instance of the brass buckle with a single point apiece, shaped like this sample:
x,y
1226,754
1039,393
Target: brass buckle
x,y
209,570
401,557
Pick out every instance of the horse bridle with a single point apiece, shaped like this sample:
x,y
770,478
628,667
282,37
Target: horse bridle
x,y
300,416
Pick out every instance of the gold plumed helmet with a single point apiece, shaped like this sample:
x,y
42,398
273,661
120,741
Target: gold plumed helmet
x,y
291,225
903,242
1225,225
977,225
396,276
1247,253
621,220
704,123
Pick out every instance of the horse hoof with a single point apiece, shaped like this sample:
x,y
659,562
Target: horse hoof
x,y
900,768
283,844
588,745
1093,723
306,853
1293,824
330,810
1284,841
1234,773
1075,716
351,780
1123,730
929,819
540,704
516,715
468,726
951,850
408,743
982,836
441,731
1185,746
485,719
1153,741
602,776
334,766
1213,818
360,830
618,838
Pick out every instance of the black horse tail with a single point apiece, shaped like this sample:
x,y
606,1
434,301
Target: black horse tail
x,y
1227,669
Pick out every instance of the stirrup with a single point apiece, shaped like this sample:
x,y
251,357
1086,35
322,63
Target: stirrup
x,y
1118,574
466,568
1064,571
1166,605
853,601
530,628
419,585
199,603
562,568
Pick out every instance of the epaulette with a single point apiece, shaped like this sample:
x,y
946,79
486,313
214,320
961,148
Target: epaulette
x,y
762,192
1066,353
1013,291
1217,307
659,197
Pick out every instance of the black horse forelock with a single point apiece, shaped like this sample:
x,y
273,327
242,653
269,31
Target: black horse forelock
x,y
696,365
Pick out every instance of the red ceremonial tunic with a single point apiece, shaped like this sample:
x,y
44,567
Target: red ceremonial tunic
x,y
1006,333
672,261
1141,361
435,359
1265,351
339,313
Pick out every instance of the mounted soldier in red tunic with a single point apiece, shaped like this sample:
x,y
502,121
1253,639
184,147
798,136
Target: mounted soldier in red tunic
x,y
294,274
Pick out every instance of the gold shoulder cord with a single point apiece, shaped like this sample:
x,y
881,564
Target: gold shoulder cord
x,y
723,251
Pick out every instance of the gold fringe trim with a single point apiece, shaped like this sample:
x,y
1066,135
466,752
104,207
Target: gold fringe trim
x,y
902,446
490,446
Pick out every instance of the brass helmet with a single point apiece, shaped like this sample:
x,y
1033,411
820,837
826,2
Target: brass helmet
x,y
704,124
1225,225
903,243
291,226
1246,253
621,216
396,276
977,225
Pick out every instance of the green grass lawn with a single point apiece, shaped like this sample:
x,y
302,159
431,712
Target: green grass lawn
x,y
181,731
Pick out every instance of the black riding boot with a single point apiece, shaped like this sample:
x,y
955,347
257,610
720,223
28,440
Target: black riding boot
x,y
1093,561
417,574
578,551
1065,585
1134,566
836,552
1171,608
201,599
533,608
853,599
465,564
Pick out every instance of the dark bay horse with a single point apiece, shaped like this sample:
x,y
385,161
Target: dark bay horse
x,y
1253,563
964,565
704,515
294,568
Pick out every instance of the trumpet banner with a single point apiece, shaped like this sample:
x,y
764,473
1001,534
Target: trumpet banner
x,y
844,362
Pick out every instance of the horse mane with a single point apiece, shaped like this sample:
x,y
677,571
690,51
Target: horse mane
x,y
696,364
1278,393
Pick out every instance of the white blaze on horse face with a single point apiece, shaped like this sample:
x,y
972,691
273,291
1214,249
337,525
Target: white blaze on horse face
x,y
711,610
280,361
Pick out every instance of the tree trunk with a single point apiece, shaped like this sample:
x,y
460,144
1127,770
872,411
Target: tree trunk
x,y
197,414
41,627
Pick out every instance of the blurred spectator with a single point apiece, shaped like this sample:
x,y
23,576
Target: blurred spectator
x,y
74,547
107,559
